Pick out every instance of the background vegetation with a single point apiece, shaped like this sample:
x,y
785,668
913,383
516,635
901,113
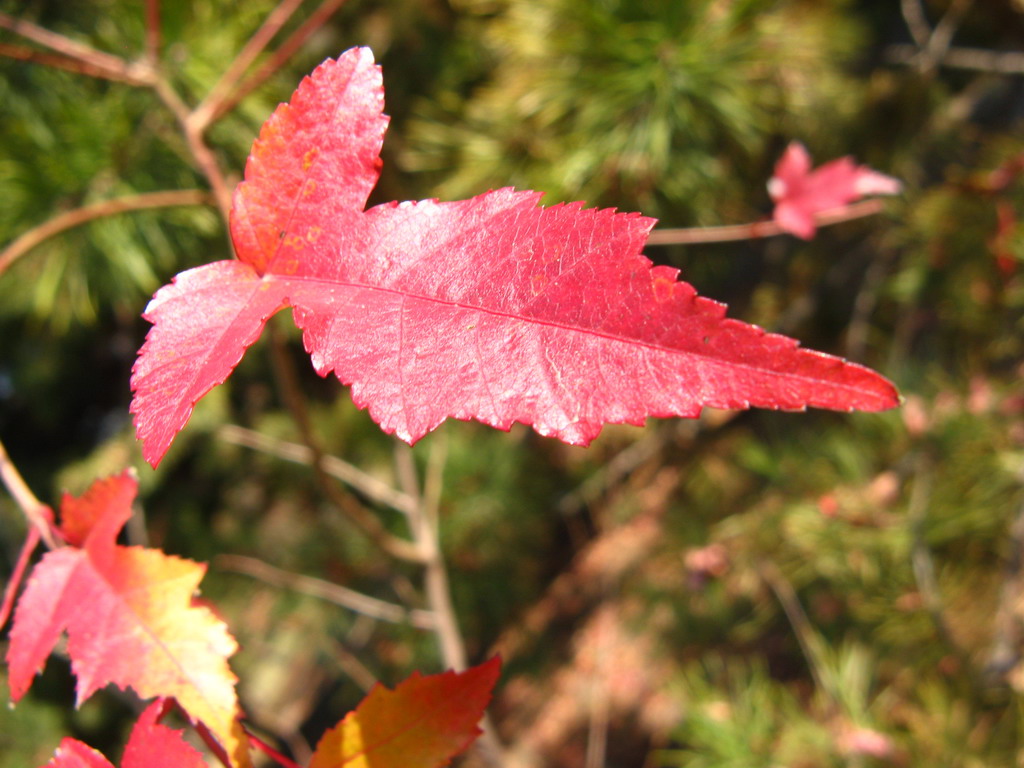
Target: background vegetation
x,y
755,589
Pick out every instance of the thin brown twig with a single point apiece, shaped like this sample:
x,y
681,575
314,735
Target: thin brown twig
x,y
942,35
970,59
917,22
806,636
142,73
326,590
201,153
758,229
210,106
59,61
352,666
115,67
931,45
864,304
35,511
286,50
70,219
153,32
425,534
366,484
284,371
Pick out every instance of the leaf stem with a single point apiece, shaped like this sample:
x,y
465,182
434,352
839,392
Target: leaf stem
x,y
37,513
70,219
11,589
270,752
758,229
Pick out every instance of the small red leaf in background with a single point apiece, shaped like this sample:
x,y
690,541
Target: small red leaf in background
x,y
129,616
800,193
491,308
151,745
74,754
423,723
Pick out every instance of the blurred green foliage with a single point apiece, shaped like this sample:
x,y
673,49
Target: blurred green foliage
x,y
787,589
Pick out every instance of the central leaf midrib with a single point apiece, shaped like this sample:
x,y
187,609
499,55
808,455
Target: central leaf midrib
x,y
709,359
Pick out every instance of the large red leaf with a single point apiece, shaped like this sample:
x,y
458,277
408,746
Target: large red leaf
x,y
151,745
129,615
424,722
490,308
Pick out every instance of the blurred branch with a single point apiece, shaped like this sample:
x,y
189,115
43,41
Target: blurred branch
x,y
806,636
153,36
287,49
143,74
932,45
33,237
37,513
758,229
291,392
366,484
942,35
325,590
424,522
352,666
201,153
917,23
974,59
214,100
58,61
865,302
112,67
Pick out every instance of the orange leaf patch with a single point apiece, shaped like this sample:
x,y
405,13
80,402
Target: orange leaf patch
x,y
424,722
129,615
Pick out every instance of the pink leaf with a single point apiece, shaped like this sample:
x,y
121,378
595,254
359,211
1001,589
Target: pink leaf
x,y
491,308
800,193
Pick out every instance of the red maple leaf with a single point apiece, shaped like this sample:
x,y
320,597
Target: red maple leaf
x,y
151,745
130,617
491,308
800,193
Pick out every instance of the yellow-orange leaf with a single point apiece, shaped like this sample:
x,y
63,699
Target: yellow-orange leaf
x,y
423,723
130,618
